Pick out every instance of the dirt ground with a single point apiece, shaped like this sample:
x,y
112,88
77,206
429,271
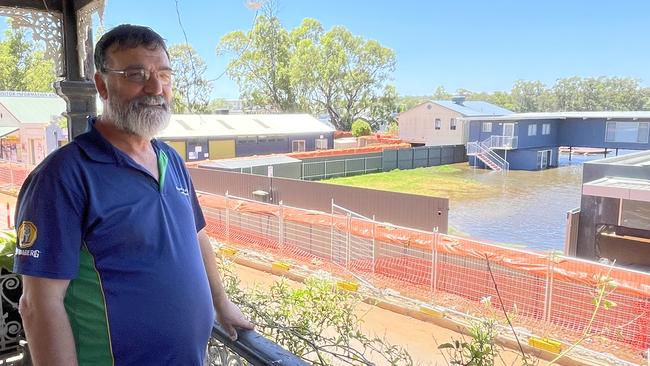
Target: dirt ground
x,y
415,335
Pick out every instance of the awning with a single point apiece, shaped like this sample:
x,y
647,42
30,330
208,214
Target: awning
x,y
4,131
617,187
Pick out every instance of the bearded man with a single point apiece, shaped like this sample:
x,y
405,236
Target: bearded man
x,y
117,267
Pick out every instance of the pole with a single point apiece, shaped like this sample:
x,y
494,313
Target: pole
x,y
281,227
332,231
348,240
374,246
8,216
227,219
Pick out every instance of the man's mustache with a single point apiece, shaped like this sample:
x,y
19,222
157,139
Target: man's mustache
x,y
151,100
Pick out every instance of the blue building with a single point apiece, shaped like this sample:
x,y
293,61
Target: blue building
x,y
212,136
531,141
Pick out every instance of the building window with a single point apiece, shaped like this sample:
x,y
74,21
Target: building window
x,y
631,132
532,130
321,144
452,124
297,145
438,124
487,127
546,129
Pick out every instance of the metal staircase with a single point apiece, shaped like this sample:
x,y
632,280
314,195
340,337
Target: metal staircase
x,y
484,151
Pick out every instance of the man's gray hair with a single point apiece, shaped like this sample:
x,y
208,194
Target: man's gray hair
x,y
126,36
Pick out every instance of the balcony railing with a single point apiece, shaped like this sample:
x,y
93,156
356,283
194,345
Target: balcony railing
x,y
502,142
250,348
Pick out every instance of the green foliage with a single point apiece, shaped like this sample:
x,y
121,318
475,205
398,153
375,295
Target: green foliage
x,y
7,249
568,94
316,322
361,128
23,66
393,128
191,88
310,70
480,350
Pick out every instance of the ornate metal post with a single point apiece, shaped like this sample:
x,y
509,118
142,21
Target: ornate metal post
x,y
77,89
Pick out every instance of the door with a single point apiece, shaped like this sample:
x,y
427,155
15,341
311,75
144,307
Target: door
x,y
543,159
508,134
221,149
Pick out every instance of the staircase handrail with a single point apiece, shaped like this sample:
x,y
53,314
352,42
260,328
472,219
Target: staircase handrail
x,y
501,162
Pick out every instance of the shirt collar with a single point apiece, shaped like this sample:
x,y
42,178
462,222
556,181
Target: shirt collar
x,y
94,145
97,148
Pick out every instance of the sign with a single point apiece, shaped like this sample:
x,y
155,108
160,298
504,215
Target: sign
x,y
269,171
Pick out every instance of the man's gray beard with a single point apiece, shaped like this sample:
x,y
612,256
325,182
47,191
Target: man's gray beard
x,y
140,117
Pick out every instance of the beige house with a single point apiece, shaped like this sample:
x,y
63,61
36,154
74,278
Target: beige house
x,y
29,128
439,122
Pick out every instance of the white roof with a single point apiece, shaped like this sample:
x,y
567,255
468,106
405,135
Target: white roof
x,y
565,115
216,125
617,187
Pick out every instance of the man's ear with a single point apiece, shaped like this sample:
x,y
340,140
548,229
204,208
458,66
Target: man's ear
x,y
100,84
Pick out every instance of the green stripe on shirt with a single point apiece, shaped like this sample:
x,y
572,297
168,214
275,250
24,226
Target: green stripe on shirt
x,y
86,307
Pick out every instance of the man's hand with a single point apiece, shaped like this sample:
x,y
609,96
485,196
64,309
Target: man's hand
x,y
230,317
228,314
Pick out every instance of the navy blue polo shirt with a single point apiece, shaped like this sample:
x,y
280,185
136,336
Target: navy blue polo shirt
x,y
139,293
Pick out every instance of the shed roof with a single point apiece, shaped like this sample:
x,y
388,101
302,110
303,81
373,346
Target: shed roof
x,y
199,125
564,115
473,108
618,187
31,107
248,162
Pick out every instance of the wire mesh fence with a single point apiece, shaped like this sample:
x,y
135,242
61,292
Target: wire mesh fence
x,y
544,292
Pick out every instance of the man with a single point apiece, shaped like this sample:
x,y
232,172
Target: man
x,y
116,265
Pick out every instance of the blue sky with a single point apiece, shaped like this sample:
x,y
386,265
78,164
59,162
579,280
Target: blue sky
x,y
471,44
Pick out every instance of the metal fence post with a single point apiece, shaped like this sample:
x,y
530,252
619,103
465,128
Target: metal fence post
x,y
332,231
434,262
548,293
227,219
348,241
281,227
374,245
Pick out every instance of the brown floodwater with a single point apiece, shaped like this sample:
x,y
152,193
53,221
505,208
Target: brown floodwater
x,y
522,208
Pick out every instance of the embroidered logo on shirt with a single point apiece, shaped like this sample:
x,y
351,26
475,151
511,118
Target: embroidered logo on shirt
x,y
28,252
27,234
183,191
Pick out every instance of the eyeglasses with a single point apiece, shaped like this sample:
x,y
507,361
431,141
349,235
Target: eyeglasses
x,y
141,76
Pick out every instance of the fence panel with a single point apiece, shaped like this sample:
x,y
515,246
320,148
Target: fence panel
x,y
389,159
405,159
434,156
550,294
447,155
420,157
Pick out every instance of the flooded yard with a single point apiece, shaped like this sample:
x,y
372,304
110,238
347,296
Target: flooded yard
x,y
520,208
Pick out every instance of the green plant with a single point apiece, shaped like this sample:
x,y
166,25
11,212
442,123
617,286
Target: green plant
x,y
315,321
361,128
480,350
7,249
605,286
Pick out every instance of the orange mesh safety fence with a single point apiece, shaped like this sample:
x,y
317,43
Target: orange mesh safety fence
x,y
351,151
550,290
14,173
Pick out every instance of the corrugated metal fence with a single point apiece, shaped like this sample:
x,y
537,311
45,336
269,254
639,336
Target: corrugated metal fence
x,y
425,213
